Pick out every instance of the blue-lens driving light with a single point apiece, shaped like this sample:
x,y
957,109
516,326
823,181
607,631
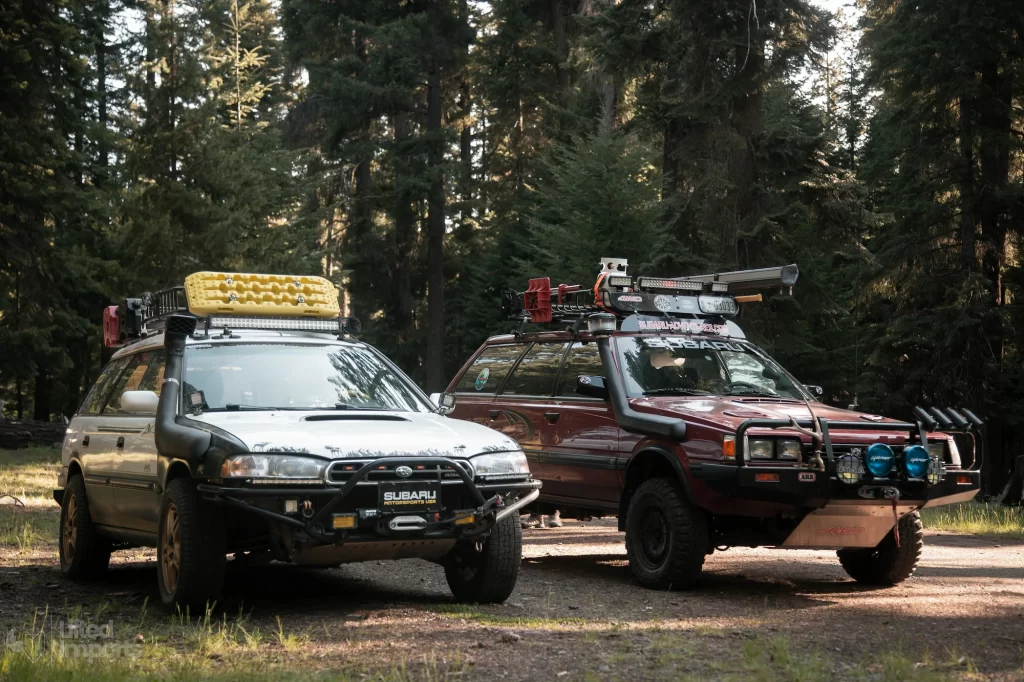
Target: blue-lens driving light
x,y
916,459
879,459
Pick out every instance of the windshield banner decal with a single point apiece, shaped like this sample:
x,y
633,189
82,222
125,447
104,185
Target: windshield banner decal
x,y
691,343
686,326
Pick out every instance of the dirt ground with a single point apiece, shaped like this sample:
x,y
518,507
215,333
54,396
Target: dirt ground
x,y
576,614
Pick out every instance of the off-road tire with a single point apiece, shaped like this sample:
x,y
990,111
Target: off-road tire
x,y
190,568
666,536
488,576
886,564
84,553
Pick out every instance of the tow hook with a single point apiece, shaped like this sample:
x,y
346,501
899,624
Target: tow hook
x,y
893,495
307,509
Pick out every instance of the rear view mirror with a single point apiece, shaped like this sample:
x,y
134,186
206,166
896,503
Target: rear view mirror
x,y
139,401
445,402
592,387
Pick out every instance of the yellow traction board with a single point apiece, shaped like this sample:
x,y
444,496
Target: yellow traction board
x,y
227,293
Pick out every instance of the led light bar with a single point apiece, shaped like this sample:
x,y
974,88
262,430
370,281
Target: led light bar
x,y
619,281
656,283
719,287
294,324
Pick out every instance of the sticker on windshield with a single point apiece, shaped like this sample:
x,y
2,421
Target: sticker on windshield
x,y
481,378
691,326
692,344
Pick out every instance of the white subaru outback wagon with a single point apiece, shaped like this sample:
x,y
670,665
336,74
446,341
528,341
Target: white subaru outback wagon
x,y
242,417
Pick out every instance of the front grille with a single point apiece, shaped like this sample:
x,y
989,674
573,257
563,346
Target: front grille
x,y
340,472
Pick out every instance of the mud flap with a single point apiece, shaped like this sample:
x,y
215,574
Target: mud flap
x,y
843,523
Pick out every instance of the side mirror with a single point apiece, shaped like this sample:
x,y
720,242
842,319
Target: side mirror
x,y
592,387
351,325
139,401
445,402
816,391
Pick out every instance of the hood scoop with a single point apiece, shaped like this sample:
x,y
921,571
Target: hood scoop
x,y
354,418
744,414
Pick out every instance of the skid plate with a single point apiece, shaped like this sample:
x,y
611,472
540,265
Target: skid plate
x,y
845,524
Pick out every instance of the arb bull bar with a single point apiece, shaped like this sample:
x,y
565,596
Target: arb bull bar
x,y
490,510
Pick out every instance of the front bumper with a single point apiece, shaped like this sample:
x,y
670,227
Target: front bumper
x,y
491,502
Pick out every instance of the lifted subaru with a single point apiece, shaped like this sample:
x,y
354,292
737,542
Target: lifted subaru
x,y
642,398
242,417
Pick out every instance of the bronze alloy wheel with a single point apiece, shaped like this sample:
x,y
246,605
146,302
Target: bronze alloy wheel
x,y
69,536
170,559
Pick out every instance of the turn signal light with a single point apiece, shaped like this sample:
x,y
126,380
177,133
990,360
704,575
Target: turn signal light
x,y
729,446
963,480
766,478
344,521
466,521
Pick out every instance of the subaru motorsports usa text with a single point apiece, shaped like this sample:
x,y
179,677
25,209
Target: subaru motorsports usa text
x,y
242,417
641,398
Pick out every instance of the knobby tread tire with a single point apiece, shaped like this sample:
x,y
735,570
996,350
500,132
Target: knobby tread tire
x,y
688,536
203,560
489,576
92,552
886,564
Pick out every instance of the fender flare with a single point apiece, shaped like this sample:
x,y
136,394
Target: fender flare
x,y
664,454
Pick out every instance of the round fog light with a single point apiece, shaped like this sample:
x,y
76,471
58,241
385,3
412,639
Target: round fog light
x,y
916,460
849,468
879,460
936,470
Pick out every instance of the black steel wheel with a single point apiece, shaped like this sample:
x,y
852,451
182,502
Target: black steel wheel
x,y
666,536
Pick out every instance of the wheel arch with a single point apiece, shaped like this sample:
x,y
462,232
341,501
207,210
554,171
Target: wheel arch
x,y
176,469
75,467
651,461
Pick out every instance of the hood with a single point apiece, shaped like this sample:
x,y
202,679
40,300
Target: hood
x,y
729,412
359,434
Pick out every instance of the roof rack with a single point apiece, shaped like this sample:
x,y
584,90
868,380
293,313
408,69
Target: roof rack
x,y
231,300
700,297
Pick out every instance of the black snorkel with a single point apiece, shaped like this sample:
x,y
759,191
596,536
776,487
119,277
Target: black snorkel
x,y
174,439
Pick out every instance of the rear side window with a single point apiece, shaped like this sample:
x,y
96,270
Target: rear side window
x,y
535,374
583,360
489,369
140,375
93,402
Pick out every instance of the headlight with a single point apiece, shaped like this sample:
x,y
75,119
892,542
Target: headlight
x,y
788,449
760,448
940,448
501,464
272,466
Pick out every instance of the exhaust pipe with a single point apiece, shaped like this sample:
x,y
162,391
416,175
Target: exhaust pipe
x,y
173,438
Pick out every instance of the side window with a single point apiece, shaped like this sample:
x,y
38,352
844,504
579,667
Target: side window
x,y
583,360
489,369
153,379
131,380
536,372
93,402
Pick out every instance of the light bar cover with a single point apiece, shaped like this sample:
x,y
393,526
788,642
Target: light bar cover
x,y
657,283
209,293
292,324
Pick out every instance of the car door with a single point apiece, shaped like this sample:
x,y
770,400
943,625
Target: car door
x,y
522,408
478,384
134,486
94,448
583,435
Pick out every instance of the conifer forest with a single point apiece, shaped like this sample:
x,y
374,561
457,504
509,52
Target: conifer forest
x,y
426,154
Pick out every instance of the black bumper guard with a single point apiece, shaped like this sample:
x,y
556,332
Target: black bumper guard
x,y
492,509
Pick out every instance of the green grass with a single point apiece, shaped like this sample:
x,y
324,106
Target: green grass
x,y
463,612
29,473
976,518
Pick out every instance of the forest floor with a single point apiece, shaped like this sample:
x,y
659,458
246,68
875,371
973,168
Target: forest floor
x,y
576,614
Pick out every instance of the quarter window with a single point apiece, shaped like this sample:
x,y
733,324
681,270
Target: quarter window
x,y
139,375
536,372
488,370
583,360
93,402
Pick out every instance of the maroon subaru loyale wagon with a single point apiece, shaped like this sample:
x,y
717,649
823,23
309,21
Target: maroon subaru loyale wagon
x,y
642,398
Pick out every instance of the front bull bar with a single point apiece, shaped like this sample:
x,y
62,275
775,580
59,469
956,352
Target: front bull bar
x,y
486,507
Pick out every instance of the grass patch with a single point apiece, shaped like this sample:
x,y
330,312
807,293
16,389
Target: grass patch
x,y
463,612
29,474
976,518
27,528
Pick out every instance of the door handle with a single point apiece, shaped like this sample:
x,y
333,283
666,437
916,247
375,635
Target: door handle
x,y
120,442
85,442
493,414
552,417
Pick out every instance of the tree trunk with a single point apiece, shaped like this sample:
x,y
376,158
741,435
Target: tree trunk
x,y
558,29
435,375
403,241
669,174
100,37
41,396
742,162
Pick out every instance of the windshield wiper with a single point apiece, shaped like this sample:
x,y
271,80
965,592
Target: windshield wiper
x,y
676,391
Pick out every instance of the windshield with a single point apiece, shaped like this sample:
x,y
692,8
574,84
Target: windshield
x,y
293,376
685,365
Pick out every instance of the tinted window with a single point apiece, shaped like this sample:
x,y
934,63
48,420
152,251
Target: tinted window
x,y
536,372
583,360
489,369
93,402
138,376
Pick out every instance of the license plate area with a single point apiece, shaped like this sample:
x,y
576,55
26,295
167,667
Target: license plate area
x,y
399,497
